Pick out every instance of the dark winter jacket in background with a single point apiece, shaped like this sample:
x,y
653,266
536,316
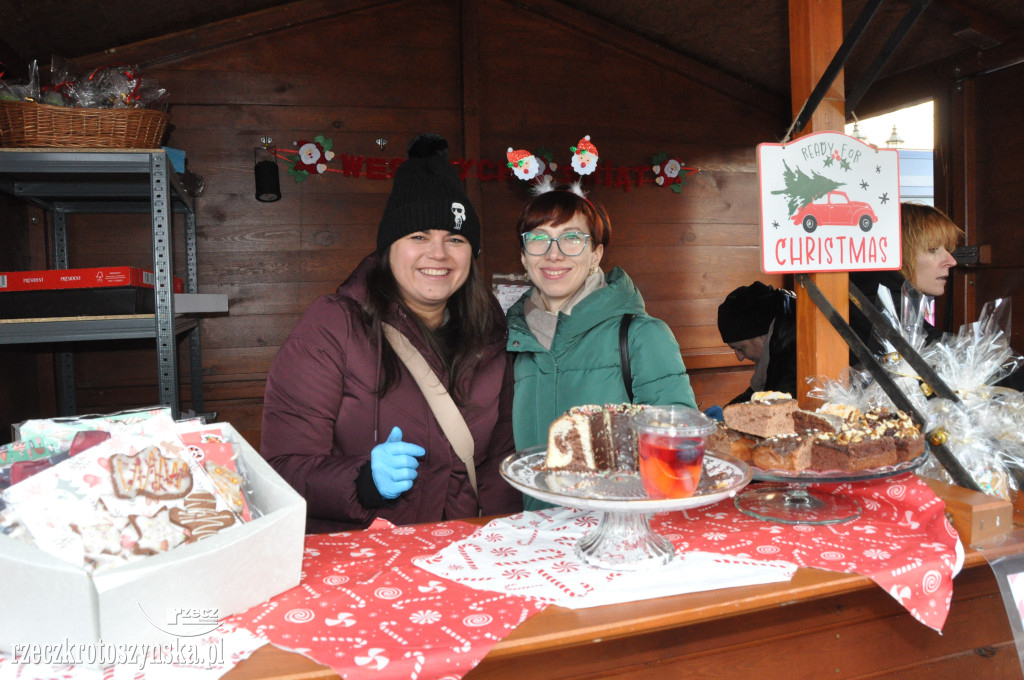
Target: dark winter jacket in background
x,y
868,283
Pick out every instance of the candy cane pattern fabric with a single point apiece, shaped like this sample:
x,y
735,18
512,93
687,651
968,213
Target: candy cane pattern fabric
x,y
374,611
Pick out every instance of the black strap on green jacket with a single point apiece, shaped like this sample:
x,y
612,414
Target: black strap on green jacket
x,y
627,376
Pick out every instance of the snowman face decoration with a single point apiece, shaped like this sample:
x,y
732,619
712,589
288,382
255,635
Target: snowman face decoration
x,y
459,212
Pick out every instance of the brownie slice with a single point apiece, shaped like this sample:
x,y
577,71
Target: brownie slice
x,y
790,452
828,454
762,418
814,420
729,441
908,447
897,425
870,453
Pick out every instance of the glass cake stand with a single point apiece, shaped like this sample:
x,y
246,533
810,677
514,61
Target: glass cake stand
x,y
788,500
623,539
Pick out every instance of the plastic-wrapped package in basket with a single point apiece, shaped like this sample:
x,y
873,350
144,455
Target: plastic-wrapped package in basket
x,y
109,107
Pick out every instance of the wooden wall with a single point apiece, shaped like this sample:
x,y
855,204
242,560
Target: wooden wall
x,y
487,74
995,214
977,179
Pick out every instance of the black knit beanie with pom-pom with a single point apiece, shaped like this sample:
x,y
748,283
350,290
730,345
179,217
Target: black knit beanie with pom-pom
x,y
427,194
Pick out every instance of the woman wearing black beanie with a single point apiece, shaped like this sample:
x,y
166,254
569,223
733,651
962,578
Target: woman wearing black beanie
x,y
345,420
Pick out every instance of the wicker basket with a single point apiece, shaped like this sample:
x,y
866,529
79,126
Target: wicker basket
x,y
42,125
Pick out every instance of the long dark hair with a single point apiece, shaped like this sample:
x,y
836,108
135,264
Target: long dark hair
x,y
460,343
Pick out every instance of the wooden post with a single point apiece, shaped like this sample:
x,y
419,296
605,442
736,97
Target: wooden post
x,y
815,33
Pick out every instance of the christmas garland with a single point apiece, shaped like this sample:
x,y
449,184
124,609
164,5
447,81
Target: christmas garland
x,y
317,157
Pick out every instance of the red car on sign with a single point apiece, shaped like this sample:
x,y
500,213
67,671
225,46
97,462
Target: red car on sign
x,y
835,207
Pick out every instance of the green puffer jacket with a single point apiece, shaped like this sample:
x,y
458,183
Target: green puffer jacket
x,y
583,367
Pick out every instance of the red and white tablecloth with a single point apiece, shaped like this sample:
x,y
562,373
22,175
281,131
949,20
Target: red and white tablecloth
x,y
366,609
902,541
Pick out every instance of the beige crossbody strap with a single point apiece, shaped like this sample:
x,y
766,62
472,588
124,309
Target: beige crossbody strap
x,y
441,403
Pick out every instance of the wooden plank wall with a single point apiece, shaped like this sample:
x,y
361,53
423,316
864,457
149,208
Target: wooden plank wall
x,y
999,204
487,74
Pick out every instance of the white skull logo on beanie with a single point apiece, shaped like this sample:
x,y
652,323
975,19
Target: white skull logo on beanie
x,y
459,211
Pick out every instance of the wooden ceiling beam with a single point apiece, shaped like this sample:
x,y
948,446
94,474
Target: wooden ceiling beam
x,y
973,26
176,46
736,88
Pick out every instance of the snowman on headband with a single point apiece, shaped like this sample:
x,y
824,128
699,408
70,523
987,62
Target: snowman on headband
x,y
526,166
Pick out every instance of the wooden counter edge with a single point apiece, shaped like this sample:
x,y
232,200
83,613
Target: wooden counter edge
x,y
559,627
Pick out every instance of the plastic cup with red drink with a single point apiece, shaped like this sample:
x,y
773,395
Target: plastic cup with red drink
x,y
671,441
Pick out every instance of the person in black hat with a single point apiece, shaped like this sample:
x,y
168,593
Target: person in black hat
x,y
344,419
758,322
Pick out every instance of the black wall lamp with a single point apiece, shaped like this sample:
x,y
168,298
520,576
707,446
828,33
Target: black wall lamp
x,y
268,180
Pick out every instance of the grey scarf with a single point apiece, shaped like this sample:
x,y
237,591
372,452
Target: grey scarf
x,y
543,323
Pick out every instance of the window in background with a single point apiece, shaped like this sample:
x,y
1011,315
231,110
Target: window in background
x,y
914,126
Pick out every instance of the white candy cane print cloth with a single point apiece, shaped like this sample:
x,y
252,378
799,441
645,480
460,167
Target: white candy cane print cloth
x,y
533,554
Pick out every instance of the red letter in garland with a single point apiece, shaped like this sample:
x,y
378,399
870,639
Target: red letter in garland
x,y
351,166
376,168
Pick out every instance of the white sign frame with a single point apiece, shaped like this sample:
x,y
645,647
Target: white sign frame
x,y
853,224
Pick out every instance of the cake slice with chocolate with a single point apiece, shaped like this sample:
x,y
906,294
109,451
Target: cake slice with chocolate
x,y
767,414
816,420
732,442
593,438
789,452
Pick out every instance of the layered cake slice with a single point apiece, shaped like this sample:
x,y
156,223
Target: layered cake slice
x,y
816,420
593,438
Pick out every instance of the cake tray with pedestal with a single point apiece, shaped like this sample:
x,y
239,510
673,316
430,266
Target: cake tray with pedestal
x,y
788,501
623,539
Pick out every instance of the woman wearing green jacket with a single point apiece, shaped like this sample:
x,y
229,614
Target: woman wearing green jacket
x,y
564,332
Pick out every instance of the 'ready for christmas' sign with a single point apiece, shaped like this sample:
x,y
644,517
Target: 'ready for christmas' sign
x,y
829,202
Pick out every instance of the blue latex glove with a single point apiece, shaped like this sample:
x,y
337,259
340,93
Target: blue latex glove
x,y
714,412
393,465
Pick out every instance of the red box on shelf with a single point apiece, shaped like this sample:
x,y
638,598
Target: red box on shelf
x,y
90,277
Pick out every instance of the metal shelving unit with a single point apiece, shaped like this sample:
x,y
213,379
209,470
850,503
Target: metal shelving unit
x,y
104,181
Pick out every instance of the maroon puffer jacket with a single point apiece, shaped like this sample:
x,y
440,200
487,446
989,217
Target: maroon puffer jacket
x,y
318,420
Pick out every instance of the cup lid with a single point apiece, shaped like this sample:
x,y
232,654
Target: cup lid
x,y
673,420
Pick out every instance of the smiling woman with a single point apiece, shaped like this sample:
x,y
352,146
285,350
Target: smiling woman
x,y
344,420
568,332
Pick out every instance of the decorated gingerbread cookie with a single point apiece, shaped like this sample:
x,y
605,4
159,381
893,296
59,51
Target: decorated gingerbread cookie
x,y
150,473
156,534
200,517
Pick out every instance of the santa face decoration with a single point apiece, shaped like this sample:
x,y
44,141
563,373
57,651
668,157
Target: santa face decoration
x,y
668,173
313,158
584,157
523,163
526,166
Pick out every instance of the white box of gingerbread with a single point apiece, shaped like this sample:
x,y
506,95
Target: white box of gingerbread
x,y
139,540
